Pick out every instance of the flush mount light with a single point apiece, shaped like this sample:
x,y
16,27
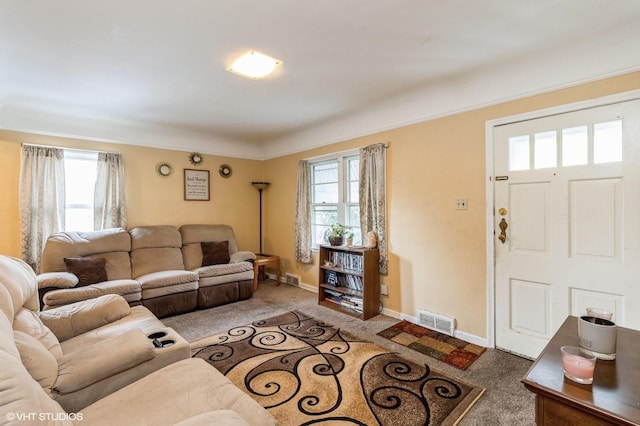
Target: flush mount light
x,y
254,65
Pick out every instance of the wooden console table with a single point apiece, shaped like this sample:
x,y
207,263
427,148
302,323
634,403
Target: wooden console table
x,y
258,265
614,396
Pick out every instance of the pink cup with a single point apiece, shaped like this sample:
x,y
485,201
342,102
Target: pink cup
x,y
578,364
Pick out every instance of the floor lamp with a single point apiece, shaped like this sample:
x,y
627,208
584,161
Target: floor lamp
x,y
260,186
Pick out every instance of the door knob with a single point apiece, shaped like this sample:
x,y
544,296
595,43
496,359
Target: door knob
x,y
503,230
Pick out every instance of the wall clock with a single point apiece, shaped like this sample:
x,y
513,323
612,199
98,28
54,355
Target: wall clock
x,y
225,170
196,158
164,169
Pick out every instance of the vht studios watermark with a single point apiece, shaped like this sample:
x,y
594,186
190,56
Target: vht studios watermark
x,y
43,417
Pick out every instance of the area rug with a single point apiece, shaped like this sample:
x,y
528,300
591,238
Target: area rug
x,y
448,349
307,372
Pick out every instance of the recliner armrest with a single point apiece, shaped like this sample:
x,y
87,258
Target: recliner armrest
x,y
57,280
68,321
101,360
242,256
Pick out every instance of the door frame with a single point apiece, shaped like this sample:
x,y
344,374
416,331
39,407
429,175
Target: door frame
x,y
489,167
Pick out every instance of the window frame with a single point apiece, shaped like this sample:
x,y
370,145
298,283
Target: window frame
x,y
344,202
81,155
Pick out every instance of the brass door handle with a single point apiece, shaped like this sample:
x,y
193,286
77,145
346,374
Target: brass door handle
x,y
503,230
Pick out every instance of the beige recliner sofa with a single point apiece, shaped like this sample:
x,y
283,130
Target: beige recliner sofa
x,y
159,267
156,263
218,284
93,363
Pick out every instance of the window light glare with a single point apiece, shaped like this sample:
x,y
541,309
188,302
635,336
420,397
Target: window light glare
x,y
254,65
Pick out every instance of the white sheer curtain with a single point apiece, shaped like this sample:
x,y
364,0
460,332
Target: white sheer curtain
x,y
373,198
42,199
303,216
109,205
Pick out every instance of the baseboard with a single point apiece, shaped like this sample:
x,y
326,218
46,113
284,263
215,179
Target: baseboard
x,y
302,285
471,338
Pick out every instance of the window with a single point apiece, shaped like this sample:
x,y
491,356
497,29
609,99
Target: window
x,y
335,196
80,181
587,144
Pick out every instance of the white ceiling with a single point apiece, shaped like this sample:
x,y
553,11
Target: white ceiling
x,y
152,72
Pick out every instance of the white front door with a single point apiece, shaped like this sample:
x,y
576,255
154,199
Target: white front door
x,y
567,187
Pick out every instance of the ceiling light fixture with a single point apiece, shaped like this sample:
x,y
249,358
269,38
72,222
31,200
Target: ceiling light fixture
x,y
254,65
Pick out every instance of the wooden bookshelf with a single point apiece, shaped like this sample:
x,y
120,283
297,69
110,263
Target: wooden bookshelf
x,y
349,280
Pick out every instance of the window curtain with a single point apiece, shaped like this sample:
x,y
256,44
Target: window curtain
x,y
42,199
303,216
373,199
109,205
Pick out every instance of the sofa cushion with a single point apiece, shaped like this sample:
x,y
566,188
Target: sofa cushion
x,y
68,321
193,235
220,270
101,360
215,252
166,279
19,286
82,244
155,237
20,394
38,361
195,388
29,323
139,318
129,289
148,260
205,232
89,270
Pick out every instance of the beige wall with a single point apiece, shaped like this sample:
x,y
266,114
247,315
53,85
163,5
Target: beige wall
x,y
437,254
151,198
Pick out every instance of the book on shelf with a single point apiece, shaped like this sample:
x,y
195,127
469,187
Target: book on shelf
x,y
349,261
331,278
344,300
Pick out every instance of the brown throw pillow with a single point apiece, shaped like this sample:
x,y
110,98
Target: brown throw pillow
x,y
215,252
89,270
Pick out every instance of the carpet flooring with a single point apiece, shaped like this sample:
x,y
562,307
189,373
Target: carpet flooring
x,y
445,348
305,371
504,402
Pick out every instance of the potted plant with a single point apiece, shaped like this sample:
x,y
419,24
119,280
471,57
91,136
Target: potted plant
x,y
336,233
350,238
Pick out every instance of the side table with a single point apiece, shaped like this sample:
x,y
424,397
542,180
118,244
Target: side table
x,y
258,264
612,399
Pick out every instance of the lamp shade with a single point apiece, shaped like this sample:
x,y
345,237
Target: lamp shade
x,y
260,185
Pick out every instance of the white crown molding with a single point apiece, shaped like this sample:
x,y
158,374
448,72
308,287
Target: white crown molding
x,y
563,67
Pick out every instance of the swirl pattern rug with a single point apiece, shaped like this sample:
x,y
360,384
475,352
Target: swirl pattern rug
x,y
307,372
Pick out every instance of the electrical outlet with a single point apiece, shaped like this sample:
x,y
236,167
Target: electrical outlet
x,y
384,289
283,264
461,204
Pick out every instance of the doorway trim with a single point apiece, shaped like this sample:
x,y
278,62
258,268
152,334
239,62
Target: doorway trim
x,y
489,200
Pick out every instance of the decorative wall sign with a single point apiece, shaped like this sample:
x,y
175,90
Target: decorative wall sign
x,y
196,185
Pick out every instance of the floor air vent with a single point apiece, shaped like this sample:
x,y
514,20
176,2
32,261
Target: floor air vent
x,y
437,322
292,279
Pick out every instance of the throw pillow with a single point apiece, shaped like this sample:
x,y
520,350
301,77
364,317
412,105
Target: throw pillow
x,y
215,252
89,270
